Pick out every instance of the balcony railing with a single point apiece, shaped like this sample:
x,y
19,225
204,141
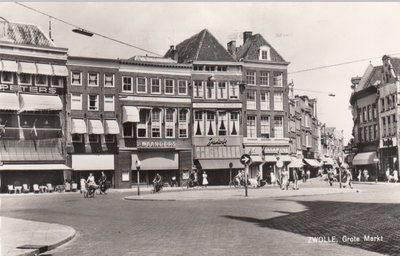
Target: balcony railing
x,y
30,133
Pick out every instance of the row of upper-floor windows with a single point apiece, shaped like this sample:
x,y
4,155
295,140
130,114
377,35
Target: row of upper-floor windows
x,y
215,90
77,101
368,113
389,126
265,97
388,102
169,86
93,79
368,133
29,79
265,127
264,78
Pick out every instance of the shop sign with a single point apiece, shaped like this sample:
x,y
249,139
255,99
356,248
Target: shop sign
x,y
276,150
157,144
217,141
27,88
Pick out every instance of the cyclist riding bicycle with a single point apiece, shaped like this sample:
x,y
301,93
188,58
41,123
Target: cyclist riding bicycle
x,y
157,182
102,183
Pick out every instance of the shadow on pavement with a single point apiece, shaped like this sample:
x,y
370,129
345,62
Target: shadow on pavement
x,y
346,221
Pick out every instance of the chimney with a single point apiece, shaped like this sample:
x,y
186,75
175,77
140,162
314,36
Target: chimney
x,y
171,47
173,54
354,82
246,35
232,48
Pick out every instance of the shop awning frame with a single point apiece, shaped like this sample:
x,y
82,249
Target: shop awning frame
x,y
365,158
78,126
27,68
9,66
44,69
95,127
269,159
60,70
9,101
216,164
256,159
130,114
111,127
312,162
34,167
296,163
34,102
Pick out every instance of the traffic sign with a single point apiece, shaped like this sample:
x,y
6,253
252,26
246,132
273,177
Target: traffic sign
x,y
245,159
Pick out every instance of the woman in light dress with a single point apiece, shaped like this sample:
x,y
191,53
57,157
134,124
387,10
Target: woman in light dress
x,y
205,181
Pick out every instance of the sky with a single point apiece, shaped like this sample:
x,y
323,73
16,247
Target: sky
x,y
307,35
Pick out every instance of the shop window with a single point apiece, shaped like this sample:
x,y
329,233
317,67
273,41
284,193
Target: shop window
x,y
25,78
264,100
251,77
93,102
93,138
198,124
76,101
7,77
128,130
278,127
222,123
210,124
141,85
155,85
76,78
57,81
233,90
278,101
265,127
41,80
198,89
251,127
77,138
127,84
222,90
93,79
182,87
169,86
108,80
210,93
109,104
251,99
264,78
234,123
169,123
278,79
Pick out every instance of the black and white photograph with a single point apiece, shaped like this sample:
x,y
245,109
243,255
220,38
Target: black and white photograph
x,y
199,128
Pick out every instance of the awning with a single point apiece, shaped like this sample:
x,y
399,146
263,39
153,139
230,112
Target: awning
x,y
9,101
211,164
162,160
130,114
33,167
78,126
33,102
92,162
9,66
285,158
96,127
111,127
328,161
364,158
27,68
60,70
296,163
44,69
312,162
256,159
270,159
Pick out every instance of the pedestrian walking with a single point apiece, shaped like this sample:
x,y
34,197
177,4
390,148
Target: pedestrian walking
x,y
273,178
359,175
347,178
366,175
308,174
205,181
331,176
303,175
285,179
395,175
295,178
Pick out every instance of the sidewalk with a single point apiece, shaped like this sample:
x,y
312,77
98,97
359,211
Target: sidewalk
x,y
35,237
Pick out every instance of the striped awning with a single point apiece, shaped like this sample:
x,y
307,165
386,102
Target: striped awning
x,y
130,114
364,158
95,127
60,70
296,163
44,69
78,126
33,102
111,127
312,162
27,68
9,101
9,66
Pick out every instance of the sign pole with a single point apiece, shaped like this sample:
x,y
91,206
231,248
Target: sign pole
x,y
245,179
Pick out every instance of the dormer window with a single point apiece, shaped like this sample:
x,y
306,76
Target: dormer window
x,y
264,53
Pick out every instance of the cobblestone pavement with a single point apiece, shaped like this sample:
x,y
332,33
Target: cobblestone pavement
x,y
109,225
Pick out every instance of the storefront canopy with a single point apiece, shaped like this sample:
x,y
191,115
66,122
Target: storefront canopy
x,y
296,163
256,159
33,102
130,114
60,70
78,126
92,162
111,127
285,158
9,66
44,69
9,101
96,127
33,167
27,68
157,161
211,164
364,158
269,159
312,162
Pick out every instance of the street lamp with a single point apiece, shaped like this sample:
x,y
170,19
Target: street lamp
x,y
82,32
230,173
138,164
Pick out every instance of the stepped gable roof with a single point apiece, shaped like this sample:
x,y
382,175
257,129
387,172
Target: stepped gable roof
x,y
371,77
200,47
21,33
249,50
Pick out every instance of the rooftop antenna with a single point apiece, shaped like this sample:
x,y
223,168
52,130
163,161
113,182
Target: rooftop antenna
x,y
50,29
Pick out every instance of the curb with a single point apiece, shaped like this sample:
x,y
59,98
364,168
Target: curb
x,y
51,246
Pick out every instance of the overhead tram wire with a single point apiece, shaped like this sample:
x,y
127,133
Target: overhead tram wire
x,y
94,33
